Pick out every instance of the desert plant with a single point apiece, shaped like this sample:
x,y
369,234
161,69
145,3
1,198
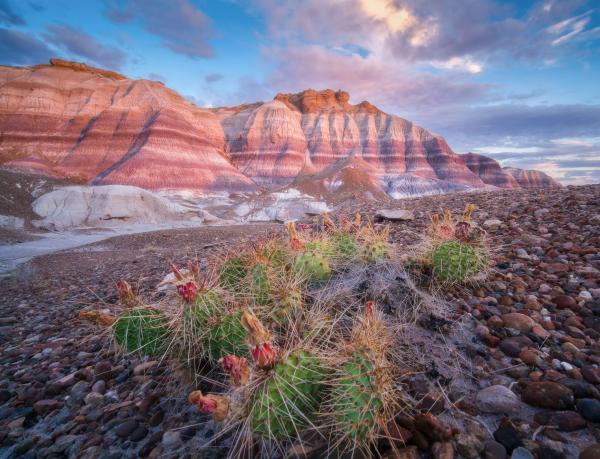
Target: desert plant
x,y
313,266
142,329
363,398
456,261
233,273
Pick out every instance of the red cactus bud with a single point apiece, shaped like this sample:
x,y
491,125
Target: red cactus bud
x,y
194,268
257,333
445,231
238,369
303,226
176,272
370,306
263,355
126,295
188,291
217,405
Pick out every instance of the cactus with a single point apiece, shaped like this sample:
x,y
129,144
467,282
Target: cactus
x,y
312,265
287,400
454,261
275,253
142,329
226,336
209,325
287,306
261,287
357,398
376,250
345,247
322,246
233,273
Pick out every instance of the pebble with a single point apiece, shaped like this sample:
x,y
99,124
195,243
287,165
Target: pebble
x,y
494,450
589,408
171,439
591,452
548,394
497,399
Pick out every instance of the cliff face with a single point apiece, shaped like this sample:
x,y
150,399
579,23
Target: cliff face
x,y
69,120
489,171
531,178
73,121
312,131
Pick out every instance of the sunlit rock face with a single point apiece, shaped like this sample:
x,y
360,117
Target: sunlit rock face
x,y
316,130
489,171
531,178
102,128
70,120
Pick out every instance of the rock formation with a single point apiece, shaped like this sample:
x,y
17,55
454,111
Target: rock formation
x,y
531,178
70,120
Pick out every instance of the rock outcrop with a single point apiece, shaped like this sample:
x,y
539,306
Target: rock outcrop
x,y
531,178
490,171
73,121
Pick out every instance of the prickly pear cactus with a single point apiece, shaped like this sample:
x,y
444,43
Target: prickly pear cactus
x,y
261,287
209,326
345,247
287,306
233,273
454,261
357,398
274,251
144,330
226,336
322,246
287,400
376,250
313,265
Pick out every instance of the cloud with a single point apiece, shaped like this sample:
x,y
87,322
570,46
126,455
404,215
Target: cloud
x,y
8,15
463,64
298,68
17,48
84,46
213,77
183,28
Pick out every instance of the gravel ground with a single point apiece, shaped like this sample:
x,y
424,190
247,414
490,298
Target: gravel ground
x,y
529,337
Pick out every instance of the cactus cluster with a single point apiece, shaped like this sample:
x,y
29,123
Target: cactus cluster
x,y
287,368
458,251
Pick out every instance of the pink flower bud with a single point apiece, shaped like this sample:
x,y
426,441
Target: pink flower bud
x,y
263,355
238,369
188,291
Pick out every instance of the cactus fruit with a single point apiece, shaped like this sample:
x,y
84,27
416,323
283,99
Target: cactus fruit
x,y
287,400
454,261
233,273
345,247
376,250
357,398
142,329
217,405
313,265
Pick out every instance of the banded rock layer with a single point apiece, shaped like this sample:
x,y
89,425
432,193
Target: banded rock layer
x,y
70,120
490,171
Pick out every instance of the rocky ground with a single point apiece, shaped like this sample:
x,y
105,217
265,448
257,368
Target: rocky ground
x,y
531,343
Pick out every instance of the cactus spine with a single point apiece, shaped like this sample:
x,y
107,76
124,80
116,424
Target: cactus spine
x,y
142,329
455,261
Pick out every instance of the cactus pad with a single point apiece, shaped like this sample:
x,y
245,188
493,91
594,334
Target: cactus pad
x,y
357,400
455,261
143,330
233,273
226,336
261,288
288,399
345,247
313,265
376,250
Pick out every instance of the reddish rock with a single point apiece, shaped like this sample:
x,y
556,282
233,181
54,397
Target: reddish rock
x,y
518,321
591,374
546,394
432,427
567,421
564,302
531,179
70,120
489,171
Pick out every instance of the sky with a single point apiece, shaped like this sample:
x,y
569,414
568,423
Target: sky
x,y
516,80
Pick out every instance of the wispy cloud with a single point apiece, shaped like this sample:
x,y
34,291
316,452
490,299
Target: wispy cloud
x,y
183,27
84,46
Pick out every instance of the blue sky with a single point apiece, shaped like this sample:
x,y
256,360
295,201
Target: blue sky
x,y
517,80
